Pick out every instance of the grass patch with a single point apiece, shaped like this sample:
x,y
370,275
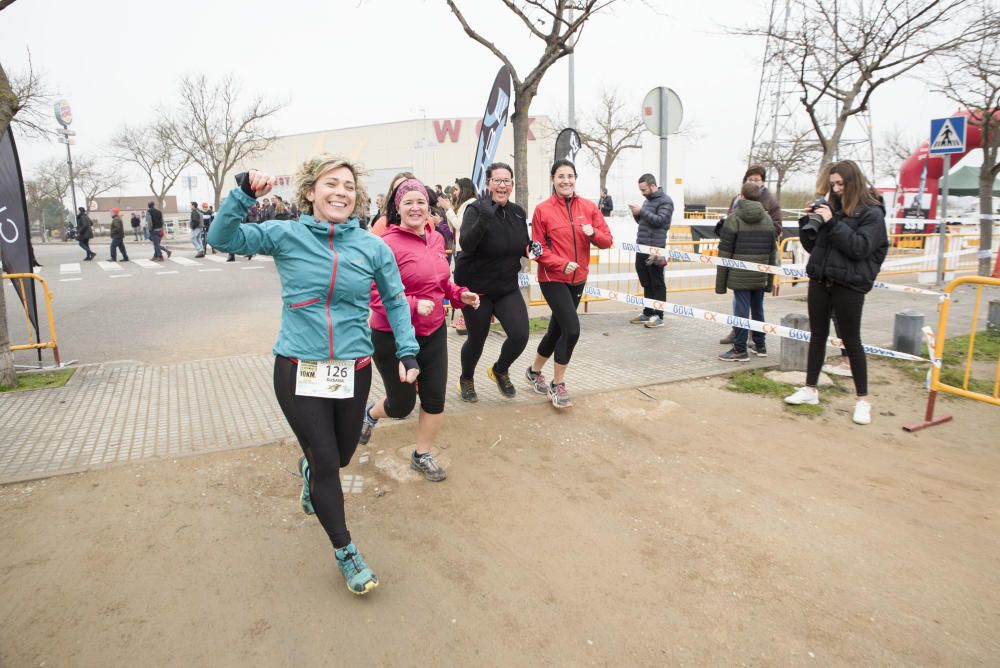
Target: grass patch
x,y
953,360
753,381
535,326
40,380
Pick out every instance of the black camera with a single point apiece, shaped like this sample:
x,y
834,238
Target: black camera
x,y
810,223
820,201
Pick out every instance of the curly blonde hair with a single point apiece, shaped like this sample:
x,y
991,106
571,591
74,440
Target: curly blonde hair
x,y
315,167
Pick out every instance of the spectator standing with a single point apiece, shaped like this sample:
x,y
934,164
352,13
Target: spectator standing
x,y
653,218
136,224
605,203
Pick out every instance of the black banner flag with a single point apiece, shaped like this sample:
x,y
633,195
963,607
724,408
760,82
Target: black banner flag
x,y
494,120
15,234
567,145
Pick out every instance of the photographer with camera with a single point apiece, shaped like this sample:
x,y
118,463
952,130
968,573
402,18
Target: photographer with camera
x,y
847,242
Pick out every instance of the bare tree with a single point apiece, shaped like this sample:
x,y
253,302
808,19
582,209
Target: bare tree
x,y
970,76
787,156
549,21
32,97
841,53
159,159
610,130
891,151
214,130
95,177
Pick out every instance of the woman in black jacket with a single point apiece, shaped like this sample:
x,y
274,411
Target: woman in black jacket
x,y
847,242
494,238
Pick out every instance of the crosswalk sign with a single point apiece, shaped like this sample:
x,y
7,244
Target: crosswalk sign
x,y
947,135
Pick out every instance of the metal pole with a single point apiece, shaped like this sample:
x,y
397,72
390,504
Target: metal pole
x,y
985,242
572,89
664,126
942,216
72,184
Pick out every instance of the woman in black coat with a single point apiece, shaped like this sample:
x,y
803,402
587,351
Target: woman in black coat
x,y
847,242
84,233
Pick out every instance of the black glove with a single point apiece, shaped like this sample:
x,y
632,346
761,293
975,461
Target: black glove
x,y
243,181
409,362
656,261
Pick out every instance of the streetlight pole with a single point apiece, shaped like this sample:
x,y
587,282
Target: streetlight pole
x,y
64,116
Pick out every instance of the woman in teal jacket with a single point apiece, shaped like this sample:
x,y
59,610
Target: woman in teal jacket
x,y
322,368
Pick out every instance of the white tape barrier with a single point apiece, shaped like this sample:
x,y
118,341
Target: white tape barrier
x,y
734,321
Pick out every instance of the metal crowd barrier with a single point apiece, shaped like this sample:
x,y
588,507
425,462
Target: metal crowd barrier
x,y
52,343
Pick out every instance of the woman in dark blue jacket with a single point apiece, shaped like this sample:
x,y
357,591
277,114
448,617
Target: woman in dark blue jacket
x,y
847,242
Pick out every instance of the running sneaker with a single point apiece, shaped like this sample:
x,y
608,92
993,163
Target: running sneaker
x,y
367,424
862,412
841,368
503,382
655,321
537,381
559,395
758,351
468,389
305,497
426,464
729,338
640,319
803,395
733,355
360,579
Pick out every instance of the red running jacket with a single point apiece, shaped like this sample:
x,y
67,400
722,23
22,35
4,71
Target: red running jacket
x,y
558,226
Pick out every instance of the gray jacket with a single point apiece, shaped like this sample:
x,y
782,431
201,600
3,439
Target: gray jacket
x,y
654,220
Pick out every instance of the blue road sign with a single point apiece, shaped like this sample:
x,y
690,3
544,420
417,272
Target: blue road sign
x,y
947,135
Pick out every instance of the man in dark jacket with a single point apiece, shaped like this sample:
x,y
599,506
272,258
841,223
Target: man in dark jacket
x,y
654,222
136,224
605,203
154,220
197,240
84,233
117,236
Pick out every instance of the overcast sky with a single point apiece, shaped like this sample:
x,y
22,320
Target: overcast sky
x,y
343,63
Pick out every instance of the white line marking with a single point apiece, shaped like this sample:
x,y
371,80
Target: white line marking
x,y
215,258
67,280
251,267
109,266
69,268
209,270
161,273
147,264
119,275
184,261
262,258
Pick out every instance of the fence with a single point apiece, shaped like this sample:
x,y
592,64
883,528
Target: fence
x,y
941,361
52,343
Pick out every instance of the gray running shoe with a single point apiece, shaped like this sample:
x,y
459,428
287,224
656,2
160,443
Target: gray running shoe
x,y
537,381
427,465
729,338
468,389
559,395
367,424
640,319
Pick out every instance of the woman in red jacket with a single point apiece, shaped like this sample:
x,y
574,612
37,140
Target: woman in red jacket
x,y
423,266
565,225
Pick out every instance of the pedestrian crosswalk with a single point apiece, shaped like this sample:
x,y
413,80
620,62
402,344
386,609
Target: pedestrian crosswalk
x,y
177,264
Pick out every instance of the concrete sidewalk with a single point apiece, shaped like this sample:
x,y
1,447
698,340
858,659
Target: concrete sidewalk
x,y
122,412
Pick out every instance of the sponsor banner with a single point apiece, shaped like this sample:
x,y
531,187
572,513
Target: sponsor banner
x,y
494,119
730,320
568,144
15,235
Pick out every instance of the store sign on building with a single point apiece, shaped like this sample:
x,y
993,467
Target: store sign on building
x,y
450,129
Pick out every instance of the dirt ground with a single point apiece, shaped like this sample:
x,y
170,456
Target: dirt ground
x,y
680,525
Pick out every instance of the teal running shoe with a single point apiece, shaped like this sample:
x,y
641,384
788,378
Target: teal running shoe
x,y
359,578
305,498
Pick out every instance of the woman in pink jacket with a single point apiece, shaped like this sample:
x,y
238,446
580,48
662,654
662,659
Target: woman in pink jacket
x,y
565,225
423,266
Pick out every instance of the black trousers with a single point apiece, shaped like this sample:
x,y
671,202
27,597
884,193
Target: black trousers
x,y
564,325
328,432
654,285
512,313
830,299
400,398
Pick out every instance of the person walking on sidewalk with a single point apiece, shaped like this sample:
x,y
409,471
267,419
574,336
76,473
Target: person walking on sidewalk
x,y
84,233
565,225
847,243
322,367
423,266
117,236
749,236
653,218
494,237
154,222
196,230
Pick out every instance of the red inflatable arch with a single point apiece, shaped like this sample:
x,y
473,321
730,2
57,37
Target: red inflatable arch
x,y
911,203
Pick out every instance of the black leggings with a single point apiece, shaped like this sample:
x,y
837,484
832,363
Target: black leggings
x,y
826,299
328,432
512,313
400,398
564,325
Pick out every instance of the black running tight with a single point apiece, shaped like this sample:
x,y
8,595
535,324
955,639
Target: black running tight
x,y
400,397
564,325
845,305
328,432
512,313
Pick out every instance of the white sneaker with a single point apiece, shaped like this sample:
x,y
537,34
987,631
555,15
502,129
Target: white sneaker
x,y
841,368
862,412
803,395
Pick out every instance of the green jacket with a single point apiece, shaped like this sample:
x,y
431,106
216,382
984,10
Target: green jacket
x,y
747,237
326,274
